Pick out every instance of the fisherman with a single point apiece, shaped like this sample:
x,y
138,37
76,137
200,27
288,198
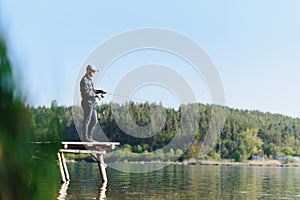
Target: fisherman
x,y
88,103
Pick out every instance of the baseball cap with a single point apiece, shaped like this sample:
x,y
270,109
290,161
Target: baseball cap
x,y
92,67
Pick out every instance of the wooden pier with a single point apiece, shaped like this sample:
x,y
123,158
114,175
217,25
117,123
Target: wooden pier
x,y
96,149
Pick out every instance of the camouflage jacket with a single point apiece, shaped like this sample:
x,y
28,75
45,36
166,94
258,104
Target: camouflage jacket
x,y
87,90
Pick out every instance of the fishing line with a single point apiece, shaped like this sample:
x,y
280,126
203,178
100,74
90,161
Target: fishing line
x,y
129,97
135,98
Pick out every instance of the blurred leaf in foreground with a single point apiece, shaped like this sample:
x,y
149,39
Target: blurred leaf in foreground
x,y
18,172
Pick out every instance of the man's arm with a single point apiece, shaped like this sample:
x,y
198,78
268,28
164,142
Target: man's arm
x,y
86,88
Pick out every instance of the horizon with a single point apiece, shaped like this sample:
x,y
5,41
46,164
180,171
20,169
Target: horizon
x,y
176,109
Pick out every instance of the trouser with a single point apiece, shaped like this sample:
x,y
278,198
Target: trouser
x,y
89,120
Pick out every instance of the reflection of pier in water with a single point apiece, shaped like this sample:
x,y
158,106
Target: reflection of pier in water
x,y
102,190
63,191
64,187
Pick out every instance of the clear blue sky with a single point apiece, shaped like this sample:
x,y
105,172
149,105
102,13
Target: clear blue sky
x,y
254,44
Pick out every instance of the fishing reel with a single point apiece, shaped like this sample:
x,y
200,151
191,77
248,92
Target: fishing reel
x,y
101,92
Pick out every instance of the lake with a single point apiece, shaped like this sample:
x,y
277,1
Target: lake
x,y
182,182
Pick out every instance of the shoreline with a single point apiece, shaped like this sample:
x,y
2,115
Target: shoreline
x,y
266,163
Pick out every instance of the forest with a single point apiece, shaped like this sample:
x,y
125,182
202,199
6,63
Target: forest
x,y
244,134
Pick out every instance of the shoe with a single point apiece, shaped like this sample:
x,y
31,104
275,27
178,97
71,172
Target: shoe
x,y
87,139
92,140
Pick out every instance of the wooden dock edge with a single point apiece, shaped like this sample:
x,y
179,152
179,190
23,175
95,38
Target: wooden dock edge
x,y
97,153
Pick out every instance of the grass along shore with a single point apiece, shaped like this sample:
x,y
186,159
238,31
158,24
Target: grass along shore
x,y
276,163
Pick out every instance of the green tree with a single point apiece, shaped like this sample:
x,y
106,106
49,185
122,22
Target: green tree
x,y
250,143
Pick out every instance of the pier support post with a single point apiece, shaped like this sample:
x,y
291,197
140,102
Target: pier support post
x,y
63,167
102,167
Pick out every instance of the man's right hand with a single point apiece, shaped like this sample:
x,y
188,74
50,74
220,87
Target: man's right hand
x,y
98,96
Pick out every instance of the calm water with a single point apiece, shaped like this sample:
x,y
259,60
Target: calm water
x,y
184,182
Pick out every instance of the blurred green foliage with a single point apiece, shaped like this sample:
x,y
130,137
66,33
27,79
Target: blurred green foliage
x,y
14,152
20,172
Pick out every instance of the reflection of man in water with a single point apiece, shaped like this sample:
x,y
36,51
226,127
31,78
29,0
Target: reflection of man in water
x,y
88,103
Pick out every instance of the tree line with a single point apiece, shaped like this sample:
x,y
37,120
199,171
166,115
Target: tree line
x,y
244,134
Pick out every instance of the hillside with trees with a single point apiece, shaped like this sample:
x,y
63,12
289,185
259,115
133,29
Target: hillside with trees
x,y
245,133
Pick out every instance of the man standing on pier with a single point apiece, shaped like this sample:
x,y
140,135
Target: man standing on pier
x,y
88,103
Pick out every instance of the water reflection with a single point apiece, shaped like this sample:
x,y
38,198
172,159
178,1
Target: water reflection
x,y
102,191
183,182
63,191
62,194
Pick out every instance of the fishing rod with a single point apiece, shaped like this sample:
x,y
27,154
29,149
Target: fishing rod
x,y
102,92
